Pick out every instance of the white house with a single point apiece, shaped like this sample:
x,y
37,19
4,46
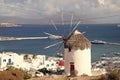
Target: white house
x,y
18,61
26,61
51,65
38,62
10,59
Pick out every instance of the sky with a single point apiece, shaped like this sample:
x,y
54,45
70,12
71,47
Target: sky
x,y
42,11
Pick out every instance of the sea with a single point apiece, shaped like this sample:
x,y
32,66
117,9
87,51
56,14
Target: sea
x,y
104,32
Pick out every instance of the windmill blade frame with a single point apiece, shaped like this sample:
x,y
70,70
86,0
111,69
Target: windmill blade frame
x,y
51,36
71,22
53,45
48,34
60,46
62,17
83,32
54,25
74,28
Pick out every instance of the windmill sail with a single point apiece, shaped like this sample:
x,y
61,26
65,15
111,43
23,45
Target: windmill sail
x,y
64,39
53,45
74,29
51,36
54,25
62,19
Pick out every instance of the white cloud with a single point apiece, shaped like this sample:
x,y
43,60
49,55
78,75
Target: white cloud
x,y
41,8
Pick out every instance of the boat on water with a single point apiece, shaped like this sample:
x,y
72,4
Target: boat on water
x,y
59,54
116,53
98,42
118,25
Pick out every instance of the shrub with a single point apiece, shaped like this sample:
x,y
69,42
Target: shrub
x,y
27,76
45,71
11,68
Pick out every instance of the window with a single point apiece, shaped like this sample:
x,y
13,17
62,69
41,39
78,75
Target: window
x,y
47,65
4,60
52,64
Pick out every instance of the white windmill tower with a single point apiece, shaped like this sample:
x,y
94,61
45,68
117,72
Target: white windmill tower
x,y
77,53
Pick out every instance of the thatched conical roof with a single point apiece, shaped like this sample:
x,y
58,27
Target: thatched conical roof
x,y
77,41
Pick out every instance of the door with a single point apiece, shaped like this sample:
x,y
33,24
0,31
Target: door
x,y
72,69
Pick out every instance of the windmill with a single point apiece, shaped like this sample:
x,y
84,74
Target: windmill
x,y
63,38
77,52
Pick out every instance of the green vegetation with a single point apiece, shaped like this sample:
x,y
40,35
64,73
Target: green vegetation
x,y
11,68
26,56
34,56
45,71
27,76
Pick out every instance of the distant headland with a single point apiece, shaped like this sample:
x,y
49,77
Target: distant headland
x,y
8,25
7,38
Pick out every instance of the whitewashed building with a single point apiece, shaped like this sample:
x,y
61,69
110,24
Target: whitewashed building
x,y
38,62
27,61
77,55
51,65
19,61
10,59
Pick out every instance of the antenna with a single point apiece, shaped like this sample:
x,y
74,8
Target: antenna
x,y
54,25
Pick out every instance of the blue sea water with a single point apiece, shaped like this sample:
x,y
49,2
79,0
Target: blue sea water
x,y
105,32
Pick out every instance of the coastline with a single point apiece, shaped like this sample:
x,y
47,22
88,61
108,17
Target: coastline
x,y
36,46
9,25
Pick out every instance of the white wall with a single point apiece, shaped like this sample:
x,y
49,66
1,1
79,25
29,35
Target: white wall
x,y
52,65
38,62
81,59
16,59
19,62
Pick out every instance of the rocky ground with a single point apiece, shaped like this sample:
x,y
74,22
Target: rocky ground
x,y
62,77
